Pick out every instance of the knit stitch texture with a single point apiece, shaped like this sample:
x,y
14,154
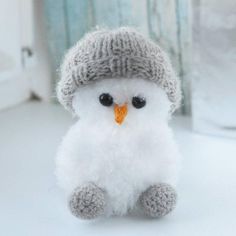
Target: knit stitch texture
x,y
119,53
87,202
158,200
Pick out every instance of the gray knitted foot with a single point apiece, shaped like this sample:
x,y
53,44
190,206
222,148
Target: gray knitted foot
x,y
158,200
87,202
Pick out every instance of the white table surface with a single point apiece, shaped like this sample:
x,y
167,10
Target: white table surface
x,y
31,204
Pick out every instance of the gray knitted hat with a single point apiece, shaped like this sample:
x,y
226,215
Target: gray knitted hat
x,y
120,53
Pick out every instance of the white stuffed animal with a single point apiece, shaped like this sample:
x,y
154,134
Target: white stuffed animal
x,y
120,155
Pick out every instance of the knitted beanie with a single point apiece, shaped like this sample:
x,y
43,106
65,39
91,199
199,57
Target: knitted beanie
x,y
119,53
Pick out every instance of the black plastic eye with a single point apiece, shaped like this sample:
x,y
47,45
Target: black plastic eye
x,y
106,99
138,102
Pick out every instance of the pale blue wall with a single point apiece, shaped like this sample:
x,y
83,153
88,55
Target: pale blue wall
x,y
165,21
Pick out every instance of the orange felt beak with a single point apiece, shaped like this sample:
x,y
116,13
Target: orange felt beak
x,y
120,113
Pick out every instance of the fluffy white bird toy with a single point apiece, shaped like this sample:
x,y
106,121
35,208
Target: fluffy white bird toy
x,y
120,155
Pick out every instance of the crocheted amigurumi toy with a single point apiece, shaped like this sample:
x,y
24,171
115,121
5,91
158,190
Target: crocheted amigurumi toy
x,y
120,156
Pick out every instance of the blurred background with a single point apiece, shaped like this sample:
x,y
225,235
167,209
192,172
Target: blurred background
x,y
200,38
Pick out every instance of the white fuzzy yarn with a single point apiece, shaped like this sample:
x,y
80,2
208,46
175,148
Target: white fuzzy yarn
x,y
122,159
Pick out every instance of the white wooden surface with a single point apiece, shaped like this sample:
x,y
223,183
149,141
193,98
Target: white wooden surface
x,y
14,87
31,203
22,26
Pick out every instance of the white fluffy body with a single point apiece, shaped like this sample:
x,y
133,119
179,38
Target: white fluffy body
x,y
122,159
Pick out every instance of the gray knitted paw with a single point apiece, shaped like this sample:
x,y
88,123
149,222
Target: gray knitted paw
x,y
158,200
87,202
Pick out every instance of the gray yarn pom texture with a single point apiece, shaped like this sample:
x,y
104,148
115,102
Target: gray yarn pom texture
x,y
87,202
158,200
119,53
